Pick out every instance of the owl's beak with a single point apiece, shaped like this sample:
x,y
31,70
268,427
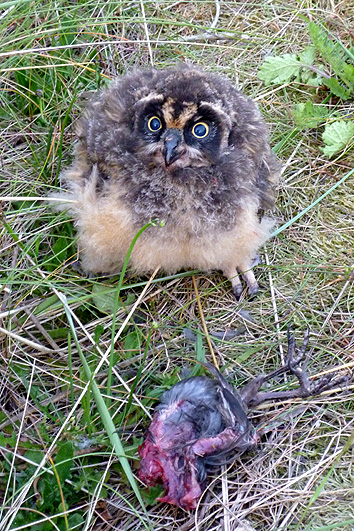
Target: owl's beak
x,y
171,149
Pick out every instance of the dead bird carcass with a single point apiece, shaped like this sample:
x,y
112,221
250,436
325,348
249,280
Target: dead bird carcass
x,y
202,422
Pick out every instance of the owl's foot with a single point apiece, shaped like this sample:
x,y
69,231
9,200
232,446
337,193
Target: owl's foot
x,y
236,286
256,261
77,267
250,280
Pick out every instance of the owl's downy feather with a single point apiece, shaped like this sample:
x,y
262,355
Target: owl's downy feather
x,y
179,145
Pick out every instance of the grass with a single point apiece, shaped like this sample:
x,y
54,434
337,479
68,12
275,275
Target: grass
x,y
58,469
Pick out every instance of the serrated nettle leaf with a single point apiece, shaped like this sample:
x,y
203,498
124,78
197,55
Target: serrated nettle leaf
x,y
307,115
348,71
330,50
281,69
308,55
337,89
308,78
337,136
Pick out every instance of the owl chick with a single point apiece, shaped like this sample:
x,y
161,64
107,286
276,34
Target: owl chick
x,y
181,146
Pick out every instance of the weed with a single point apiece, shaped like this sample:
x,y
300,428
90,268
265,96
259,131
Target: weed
x,y
338,134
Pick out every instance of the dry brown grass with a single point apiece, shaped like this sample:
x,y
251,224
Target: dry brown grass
x,y
301,475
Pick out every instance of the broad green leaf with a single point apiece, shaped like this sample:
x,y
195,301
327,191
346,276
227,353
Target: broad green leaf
x,y
336,136
280,69
330,50
99,330
104,298
307,57
336,55
64,461
349,74
132,341
75,520
307,115
150,495
60,249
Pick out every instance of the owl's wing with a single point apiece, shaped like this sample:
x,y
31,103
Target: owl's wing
x,y
267,181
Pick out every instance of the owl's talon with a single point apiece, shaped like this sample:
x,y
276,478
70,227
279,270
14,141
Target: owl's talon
x,y
77,267
237,291
251,282
252,291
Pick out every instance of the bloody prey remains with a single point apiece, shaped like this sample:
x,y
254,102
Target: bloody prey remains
x,y
202,422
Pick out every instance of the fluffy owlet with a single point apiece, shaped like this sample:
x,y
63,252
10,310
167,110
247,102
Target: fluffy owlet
x,y
179,145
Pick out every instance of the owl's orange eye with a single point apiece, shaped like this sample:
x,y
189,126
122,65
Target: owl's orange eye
x,y
200,130
154,124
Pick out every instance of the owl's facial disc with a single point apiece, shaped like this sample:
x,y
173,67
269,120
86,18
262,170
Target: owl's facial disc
x,y
177,135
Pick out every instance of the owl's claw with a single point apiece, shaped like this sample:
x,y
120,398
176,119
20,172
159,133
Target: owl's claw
x,y
77,267
253,290
256,260
237,291
252,285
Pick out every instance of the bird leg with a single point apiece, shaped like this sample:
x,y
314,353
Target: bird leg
x,y
252,284
236,286
248,277
202,422
252,396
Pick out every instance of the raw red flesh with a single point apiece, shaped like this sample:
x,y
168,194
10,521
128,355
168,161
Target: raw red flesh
x,y
168,459
172,447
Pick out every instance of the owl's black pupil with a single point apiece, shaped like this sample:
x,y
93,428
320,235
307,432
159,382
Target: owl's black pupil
x,y
200,130
155,124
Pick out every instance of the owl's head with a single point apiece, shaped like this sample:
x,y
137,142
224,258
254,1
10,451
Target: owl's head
x,y
178,133
171,119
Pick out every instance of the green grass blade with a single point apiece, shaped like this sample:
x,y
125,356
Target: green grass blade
x,y
116,305
307,209
106,417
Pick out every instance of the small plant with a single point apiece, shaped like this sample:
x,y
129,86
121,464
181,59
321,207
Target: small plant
x,y
52,495
338,78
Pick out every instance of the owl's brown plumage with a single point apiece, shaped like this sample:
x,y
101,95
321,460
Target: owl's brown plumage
x,y
179,145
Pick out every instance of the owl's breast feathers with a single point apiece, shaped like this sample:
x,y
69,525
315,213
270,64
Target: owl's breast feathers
x,y
178,145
